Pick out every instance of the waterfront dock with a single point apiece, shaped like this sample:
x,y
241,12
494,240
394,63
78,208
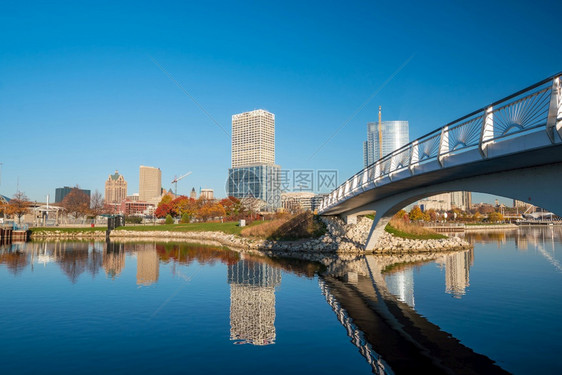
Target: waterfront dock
x,y
9,235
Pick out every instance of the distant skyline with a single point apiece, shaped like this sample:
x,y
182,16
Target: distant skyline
x,y
90,88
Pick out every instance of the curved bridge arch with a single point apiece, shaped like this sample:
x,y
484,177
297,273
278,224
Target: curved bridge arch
x,y
538,185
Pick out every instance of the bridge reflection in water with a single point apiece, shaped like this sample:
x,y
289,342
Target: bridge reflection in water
x,y
373,298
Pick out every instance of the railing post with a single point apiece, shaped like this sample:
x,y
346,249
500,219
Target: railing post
x,y
487,131
377,172
554,121
414,156
443,144
364,178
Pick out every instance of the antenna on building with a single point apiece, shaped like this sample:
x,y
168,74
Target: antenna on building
x,y
380,133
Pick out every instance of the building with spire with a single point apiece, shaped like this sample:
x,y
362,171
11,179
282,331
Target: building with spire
x,y
115,188
383,138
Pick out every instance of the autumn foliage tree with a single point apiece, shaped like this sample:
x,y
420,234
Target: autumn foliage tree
x,y
416,214
18,205
188,208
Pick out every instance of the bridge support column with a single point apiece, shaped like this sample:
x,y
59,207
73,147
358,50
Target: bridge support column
x,y
377,230
349,219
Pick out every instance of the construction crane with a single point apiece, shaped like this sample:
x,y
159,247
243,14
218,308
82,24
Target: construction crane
x,y
176,179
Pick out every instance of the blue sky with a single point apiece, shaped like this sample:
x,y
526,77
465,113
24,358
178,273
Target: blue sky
x,y
81,96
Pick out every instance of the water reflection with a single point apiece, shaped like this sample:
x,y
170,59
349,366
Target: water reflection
x,y
77,258
457,269
372,297
114,259
401,284
377,309
543,239
148,264
252,302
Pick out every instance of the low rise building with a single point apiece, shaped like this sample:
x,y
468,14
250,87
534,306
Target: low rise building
x,y
301,200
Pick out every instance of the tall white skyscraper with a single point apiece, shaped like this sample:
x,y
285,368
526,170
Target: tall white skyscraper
x,y
253,138
254,173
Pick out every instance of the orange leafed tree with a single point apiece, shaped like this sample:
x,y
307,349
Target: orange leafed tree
x,y
18,206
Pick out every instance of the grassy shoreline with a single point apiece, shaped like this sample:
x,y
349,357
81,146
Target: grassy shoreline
x,y
412,236
229,227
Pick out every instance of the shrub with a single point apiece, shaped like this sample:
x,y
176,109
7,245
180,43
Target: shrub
x,y
169,219
185,218
133,219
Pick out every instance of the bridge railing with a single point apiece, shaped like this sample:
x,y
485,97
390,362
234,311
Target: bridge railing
x,y
536,108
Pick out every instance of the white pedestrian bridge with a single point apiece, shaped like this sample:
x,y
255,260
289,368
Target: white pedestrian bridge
x,y
511,148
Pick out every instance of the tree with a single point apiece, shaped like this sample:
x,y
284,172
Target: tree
x,y
232,206
211,210
495,217
76,203
185,218
184,205
18,206
476,217
163,210
416,214
97,204
432,215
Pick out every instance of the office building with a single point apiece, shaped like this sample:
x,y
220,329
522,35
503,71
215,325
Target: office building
x,y
461,200
150,183
253,138
258,182
301,201
393,134
133,197
254,173
207,194
60,193
447,201
115,188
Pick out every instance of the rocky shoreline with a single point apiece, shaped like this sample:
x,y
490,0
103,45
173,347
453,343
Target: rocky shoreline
x,y
340,238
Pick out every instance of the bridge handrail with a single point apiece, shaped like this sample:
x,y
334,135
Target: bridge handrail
x,y
533,108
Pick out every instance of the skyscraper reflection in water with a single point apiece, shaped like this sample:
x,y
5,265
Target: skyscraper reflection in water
x,y
401,284
148,264
252,302
457,270
114,259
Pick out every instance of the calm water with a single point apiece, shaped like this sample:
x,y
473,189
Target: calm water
x,y
176,308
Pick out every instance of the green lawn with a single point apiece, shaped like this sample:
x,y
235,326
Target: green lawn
x,y
398,233
230,227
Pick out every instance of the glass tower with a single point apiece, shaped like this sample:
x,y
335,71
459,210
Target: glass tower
x,y
395,134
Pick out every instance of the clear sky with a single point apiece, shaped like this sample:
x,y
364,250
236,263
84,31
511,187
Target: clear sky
x,y
81,92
